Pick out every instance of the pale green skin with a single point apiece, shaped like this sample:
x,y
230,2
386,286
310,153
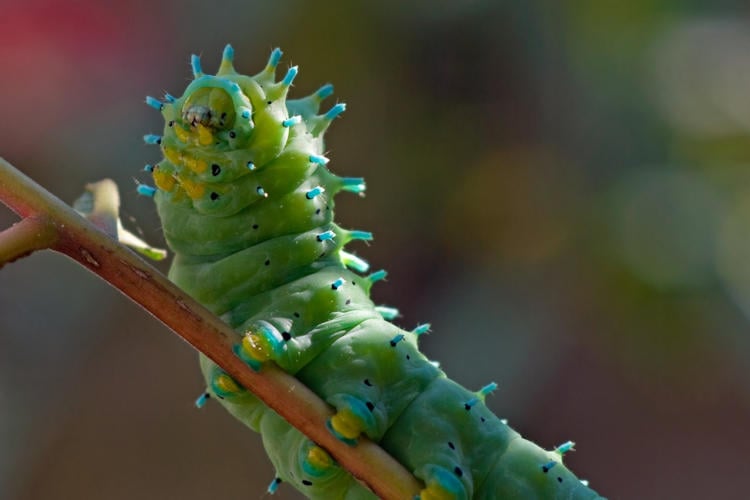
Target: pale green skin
x,y
338,339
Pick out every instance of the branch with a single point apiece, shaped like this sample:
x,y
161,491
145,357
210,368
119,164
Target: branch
x,y
50,223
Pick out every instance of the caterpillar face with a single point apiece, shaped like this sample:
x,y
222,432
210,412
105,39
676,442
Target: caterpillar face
x,y
246,203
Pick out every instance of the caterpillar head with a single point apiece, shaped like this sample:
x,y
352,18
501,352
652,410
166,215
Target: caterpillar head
x,y
221,129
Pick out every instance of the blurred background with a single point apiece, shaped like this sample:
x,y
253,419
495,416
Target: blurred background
x,y
561,188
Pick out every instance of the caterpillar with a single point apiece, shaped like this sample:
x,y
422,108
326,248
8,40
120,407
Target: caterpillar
x,y
246,203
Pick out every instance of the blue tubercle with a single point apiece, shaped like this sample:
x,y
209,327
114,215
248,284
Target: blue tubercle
x,y
250,165
422,329
274,486
152,139
565,447
335,111
245,113
324,91
195,62
377,276
395,340
146,190
353,184
169,97
292,120
154,103
327,235
548,466
202,399
484,391
388,313
275,57
261,192
316,191
148,168
228,53
360,235
337,284
320,160
354,262
290,76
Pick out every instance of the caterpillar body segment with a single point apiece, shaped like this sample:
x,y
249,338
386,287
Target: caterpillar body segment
x,y
246,202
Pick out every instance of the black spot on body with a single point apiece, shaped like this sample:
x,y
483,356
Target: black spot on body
x,y
559,479
368,383
451,445
268,262
306,482
348,301
317,211
286,336
408,357
215,169
370,406
458,471
482,419
269,102
467,406
214,196
296,315
255,226
170,123
232,134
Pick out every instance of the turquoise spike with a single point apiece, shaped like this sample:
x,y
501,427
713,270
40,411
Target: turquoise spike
x,y
148,168
353,184
169,97
388,313
275,57
377,276
327,235
565,447
324,91
245,113
261,192
202,399
292,120
250,165
152,139
360,235
353,262
422,329
335,111
274,486
316,191
228,54
487,389
337,284
548,466
290,76
145,190
154,103
195,62
395,340
504,421
320,160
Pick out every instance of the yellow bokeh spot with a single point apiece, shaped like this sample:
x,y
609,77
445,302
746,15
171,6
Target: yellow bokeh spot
x,y
256,347
319,458
434,492
345,424
164,180
226,384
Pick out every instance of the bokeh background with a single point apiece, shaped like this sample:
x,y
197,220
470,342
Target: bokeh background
x,y
560,188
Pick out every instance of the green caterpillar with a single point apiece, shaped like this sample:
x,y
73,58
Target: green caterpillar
x,y
246,203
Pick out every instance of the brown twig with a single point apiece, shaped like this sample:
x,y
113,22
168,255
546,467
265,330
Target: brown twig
x,y
50,223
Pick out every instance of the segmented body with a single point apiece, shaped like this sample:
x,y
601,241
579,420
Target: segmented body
x,y
246,202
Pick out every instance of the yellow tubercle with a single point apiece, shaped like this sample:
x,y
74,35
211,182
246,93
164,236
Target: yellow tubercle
x,y
205,136
194,190
182,134
226,384
164,180
345,424
434,492
319,458
256,347
197,165
172,155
